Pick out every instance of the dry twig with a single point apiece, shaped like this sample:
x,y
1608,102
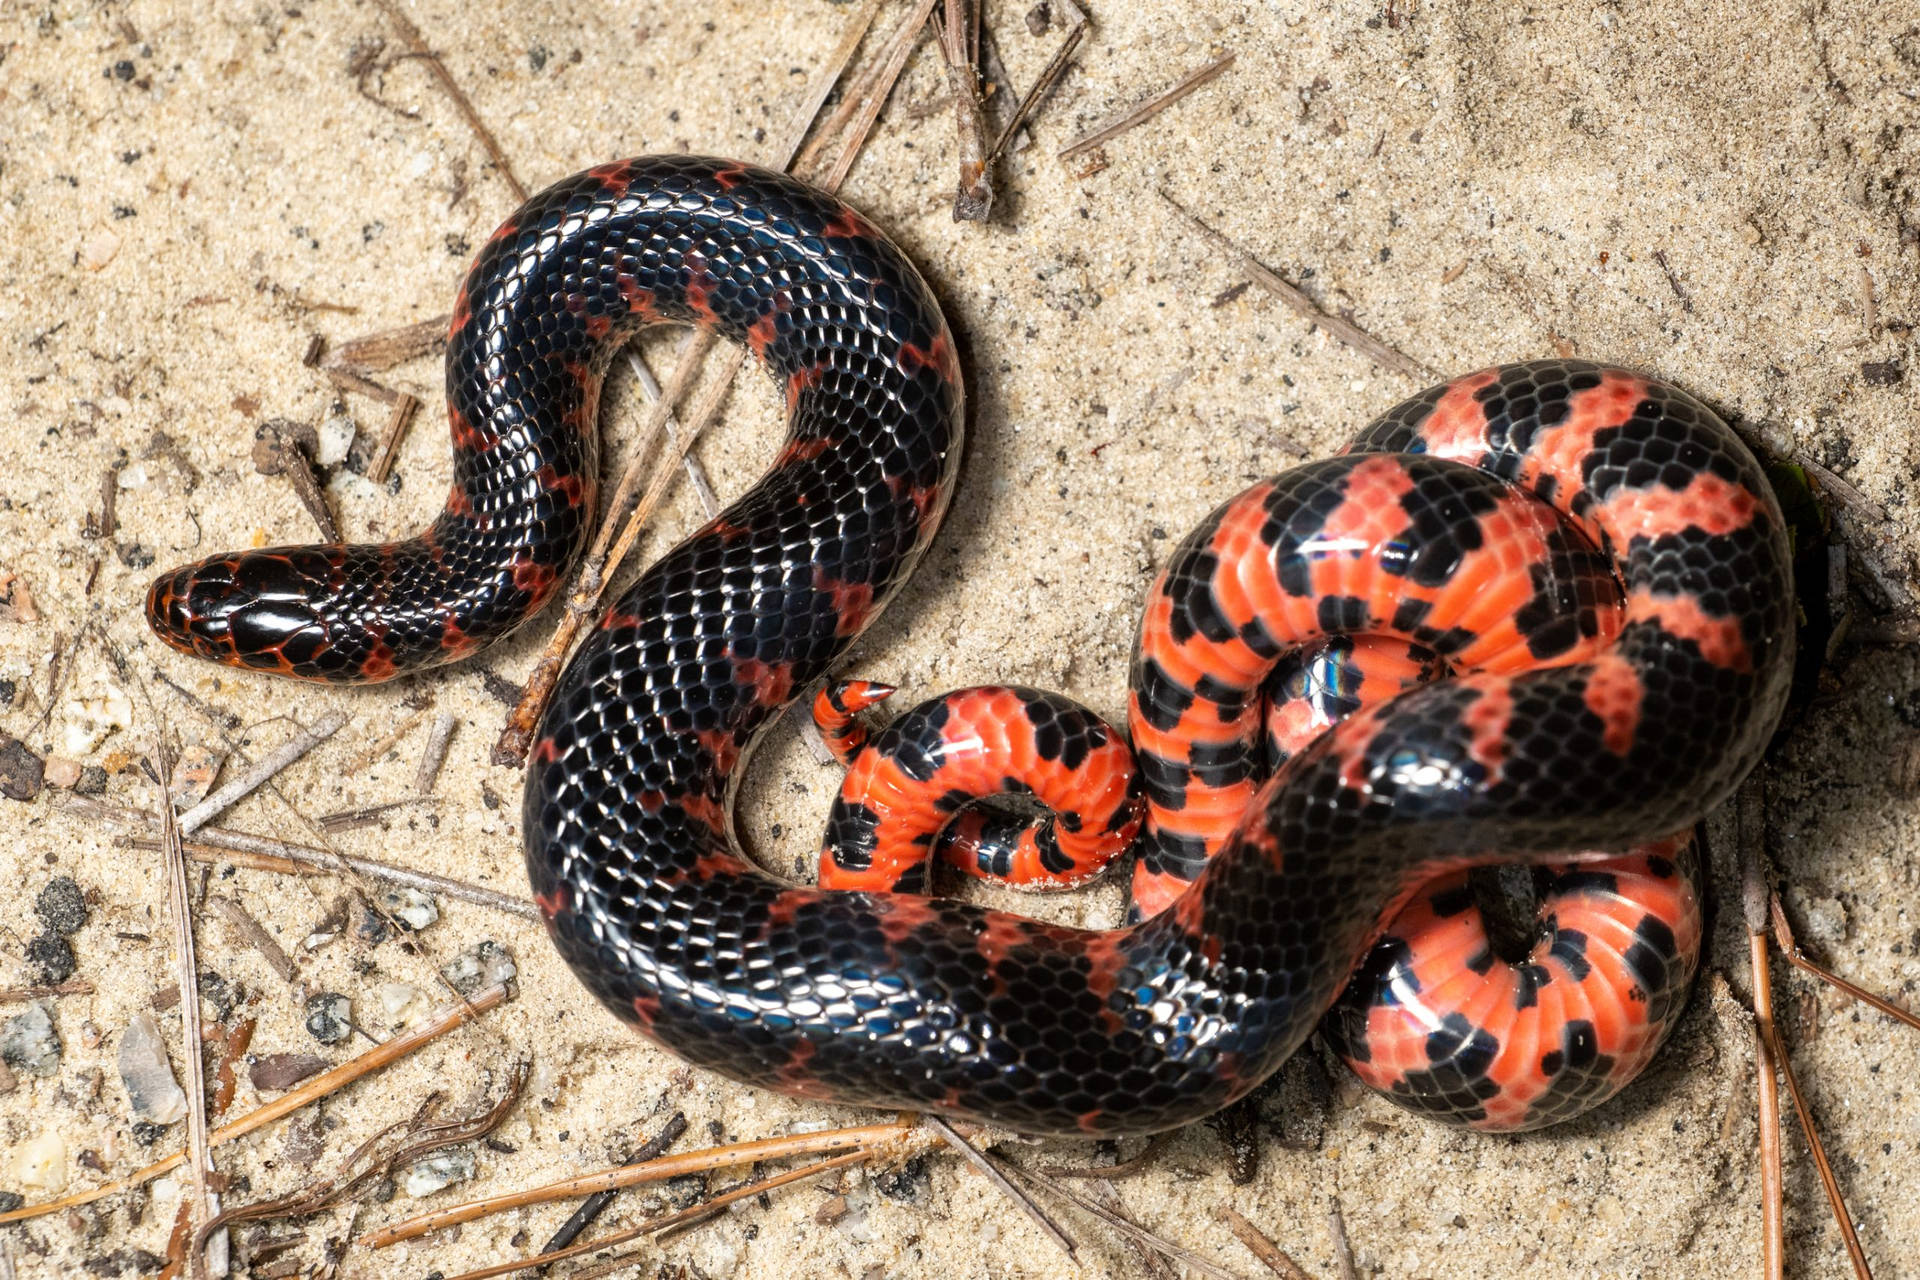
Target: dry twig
x,y
1342,1251
863,1137
382,350
656,1225
1147,110
215,844
418,44
1055,68
1341,328
435,755
594,1205
978,1159
1753,901
1260,1244
289,751
958,37
187,970
399,418
21,995
1124,1225
1790,948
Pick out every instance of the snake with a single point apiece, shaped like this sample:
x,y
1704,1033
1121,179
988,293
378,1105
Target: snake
x,y
1585,563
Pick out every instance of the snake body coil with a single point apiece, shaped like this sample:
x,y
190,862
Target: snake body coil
x,y
1593,557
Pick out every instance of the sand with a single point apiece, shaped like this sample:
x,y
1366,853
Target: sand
x,y
1724,194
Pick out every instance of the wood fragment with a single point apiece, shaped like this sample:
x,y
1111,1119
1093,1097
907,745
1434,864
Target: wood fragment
x,y
859,91
23,995
1049,77
1854,501
1152,1263
233,1047
836,66
109,499
973,198
1836,1201
418,44
346,380
696,474
399,418
385,348
187,971
594,1205
1750,822
435,754
978,1159
318,1087
906,36
1338,326
420,1138
256,935
1342,1251
826,1141
365,816
600,564
1673,281
292,749
1147,110
391,739
1121,1223
1790,948
316,347
1260,1244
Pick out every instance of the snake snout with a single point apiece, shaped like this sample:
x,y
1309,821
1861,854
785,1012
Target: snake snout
x,y
250,610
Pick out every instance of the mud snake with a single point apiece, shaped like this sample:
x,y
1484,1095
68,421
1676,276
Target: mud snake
x,y
1589,561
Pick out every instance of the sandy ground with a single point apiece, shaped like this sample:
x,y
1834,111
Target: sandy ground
x,y
1721,193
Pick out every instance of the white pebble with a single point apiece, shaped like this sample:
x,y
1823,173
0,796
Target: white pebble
x,y
335,439
437,1171
402,1001
41,1163
94,714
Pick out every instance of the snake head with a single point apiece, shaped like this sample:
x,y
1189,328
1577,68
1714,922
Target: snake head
x,y
257,609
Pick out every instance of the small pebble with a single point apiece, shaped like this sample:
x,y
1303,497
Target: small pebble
x,y
29,1044
152,1091
441,1169
62,772
329,1016
402,1001
51,958
94,713
410,907
93,780
276,1072
146,1133
61,906
21,771
8,1081
484,965
335,438
194,774
11,1200
40,1164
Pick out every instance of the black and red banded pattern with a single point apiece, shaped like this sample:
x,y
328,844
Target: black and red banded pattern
x,y
1656,712
1443,1017
913,795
